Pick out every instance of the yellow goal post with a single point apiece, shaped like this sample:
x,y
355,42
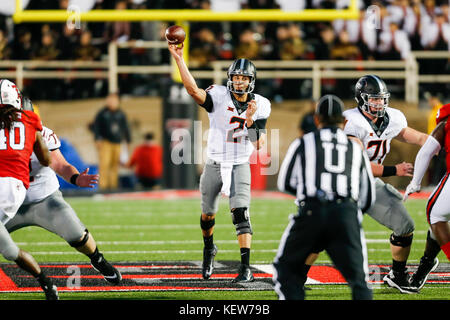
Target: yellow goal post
x,y
183,17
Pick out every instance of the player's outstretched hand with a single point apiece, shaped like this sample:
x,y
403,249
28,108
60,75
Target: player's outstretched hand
x,y
405,169
176,50
411,188
86,180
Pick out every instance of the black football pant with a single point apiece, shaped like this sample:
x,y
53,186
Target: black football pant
x,y
332,226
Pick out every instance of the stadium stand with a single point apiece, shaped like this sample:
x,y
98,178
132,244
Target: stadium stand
x,y
404,26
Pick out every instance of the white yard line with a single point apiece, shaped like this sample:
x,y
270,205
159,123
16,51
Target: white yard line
x,y
165,242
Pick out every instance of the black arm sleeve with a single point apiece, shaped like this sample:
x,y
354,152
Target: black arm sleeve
x,y
208,104
255,130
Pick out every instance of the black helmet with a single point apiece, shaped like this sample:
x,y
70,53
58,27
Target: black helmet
x,y
27,104
330,109
241,67
371,86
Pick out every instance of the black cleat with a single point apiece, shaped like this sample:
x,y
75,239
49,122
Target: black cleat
x,y
399,280
110,273
419,278
51,293
245,274
208,261
50,290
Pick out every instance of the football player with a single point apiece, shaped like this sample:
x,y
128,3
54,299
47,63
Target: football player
x,y
438,210
45,207
374,124
20,135
237,119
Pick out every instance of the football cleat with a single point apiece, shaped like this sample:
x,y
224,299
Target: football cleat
x,y
50,290
399,280
419,278
51,293
110,273
244,275
208,261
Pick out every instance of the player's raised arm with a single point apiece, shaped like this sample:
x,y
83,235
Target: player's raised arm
x,y
189,83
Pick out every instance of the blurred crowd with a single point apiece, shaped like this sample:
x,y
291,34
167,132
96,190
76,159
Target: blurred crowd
x,y
401,26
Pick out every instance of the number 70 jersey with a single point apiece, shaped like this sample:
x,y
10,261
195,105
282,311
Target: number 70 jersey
x,y
376,141
228,139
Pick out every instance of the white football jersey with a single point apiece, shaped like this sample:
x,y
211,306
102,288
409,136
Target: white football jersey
x,y
43,180
228,139
376,142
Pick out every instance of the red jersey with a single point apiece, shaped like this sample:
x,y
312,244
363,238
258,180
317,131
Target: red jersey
x,y
16,147
441,115
148,161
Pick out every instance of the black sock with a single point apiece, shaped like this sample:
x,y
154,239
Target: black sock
x,y
208,241
245,256
43,280
432,248
94,256
398,266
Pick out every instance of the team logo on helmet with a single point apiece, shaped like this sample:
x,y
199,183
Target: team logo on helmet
x,y
9,94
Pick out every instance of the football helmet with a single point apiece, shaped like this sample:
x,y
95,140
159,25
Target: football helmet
x,y
27,104
241,67
372,87
9,94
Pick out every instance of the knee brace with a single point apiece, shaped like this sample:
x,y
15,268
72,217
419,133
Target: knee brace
x,y
206,225
401,241
241,221
82,242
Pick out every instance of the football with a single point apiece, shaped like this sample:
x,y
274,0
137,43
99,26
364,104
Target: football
x,y
175,35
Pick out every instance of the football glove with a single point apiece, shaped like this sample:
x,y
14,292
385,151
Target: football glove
x,y
411,188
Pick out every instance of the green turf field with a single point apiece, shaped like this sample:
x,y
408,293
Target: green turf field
x,y
159,230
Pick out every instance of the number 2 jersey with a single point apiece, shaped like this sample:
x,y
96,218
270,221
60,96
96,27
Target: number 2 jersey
x,y
43,180
376,139
228,139
16,146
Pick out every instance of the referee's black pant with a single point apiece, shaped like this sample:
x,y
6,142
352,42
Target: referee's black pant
x,y
333,226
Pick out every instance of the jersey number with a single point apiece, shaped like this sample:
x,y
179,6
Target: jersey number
x,y
377,144
240,127
329,151
16,137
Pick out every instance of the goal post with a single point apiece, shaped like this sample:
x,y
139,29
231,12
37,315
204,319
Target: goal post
x,y
192,15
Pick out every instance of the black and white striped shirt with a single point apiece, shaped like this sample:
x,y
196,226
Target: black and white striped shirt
x,y
326,164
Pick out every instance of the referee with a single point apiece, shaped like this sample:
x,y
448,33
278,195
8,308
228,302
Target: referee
x,y
331,177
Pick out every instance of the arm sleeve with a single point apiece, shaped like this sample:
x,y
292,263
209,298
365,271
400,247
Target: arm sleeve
x,y
423,158
288,177
208,105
